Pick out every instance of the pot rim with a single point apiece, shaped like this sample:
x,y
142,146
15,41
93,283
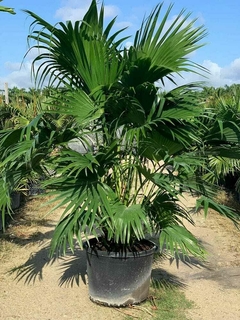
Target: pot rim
x,y
122,255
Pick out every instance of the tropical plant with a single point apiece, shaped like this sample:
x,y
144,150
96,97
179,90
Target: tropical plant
x,y
147,149
6,9
220,127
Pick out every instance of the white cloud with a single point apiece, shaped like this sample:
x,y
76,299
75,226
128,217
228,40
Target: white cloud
x,y
233,71
75,10
19,76
218,76
20,73
12,66
68,13
123,24
111,11
214,68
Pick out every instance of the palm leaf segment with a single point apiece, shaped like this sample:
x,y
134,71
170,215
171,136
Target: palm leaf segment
x,y
82,55
6,9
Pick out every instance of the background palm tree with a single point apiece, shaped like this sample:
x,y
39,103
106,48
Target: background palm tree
x,y
221,127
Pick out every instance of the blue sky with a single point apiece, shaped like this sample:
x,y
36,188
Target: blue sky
x,y
221,54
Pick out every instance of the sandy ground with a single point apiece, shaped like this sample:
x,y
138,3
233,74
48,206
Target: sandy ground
x,y
46,290
214,286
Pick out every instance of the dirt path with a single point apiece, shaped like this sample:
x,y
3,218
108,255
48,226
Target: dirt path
x,y
43,290
214,286
57,290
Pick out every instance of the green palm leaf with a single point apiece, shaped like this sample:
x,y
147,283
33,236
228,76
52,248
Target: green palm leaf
x,y
178,240
168,51
129,223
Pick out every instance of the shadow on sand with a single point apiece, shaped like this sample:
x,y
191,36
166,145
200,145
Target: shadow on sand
x,y
73,269
164,279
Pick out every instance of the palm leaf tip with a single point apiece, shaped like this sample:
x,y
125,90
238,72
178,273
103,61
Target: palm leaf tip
x,y
179,241
8,10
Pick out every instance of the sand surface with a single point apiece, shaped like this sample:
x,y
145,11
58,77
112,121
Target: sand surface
x,y
56,290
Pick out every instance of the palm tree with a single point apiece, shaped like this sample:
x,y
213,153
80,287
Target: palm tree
x,y
123,187
221,127
22,107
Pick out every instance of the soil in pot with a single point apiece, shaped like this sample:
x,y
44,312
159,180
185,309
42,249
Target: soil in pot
x,y
117,275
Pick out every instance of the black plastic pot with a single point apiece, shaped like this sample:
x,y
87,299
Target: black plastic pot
x,y
15,200
119,279
34,188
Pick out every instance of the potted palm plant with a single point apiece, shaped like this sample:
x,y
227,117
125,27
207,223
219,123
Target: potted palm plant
x,y
147,150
